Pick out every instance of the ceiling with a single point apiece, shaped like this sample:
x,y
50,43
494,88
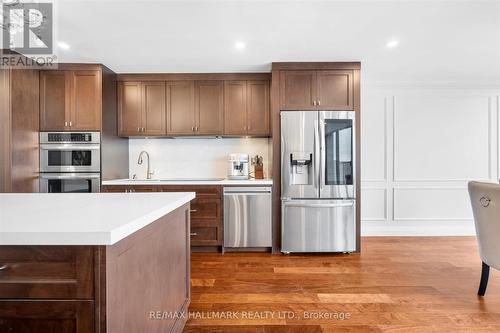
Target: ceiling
x,y
439,41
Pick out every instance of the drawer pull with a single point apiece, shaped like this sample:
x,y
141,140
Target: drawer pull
x,y
193,234
193,210
4,267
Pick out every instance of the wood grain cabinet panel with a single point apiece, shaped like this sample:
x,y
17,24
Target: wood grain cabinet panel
x,y
205,233
316,90
54,100
298,90
86,99
70,100
235,107
46,272
206,209
209,107
180,108
258,107
335,90
28,316
129,108
153,108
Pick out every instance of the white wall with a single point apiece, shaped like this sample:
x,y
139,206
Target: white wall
x,y
193,158
420,147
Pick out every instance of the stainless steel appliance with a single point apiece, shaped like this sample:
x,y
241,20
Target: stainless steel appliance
x,y
70,152
70,162
237,167
70,182
247,217
318,181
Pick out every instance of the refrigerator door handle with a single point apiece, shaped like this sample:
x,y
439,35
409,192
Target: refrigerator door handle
x,y
322,176
331,205
317,152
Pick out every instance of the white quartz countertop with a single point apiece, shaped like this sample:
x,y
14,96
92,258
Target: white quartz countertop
x,y
247,182
81,218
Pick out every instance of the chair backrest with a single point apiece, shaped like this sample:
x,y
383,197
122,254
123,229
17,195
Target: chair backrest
x,y
485,199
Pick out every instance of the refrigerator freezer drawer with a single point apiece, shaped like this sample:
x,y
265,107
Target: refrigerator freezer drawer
x,y
318,226
247,217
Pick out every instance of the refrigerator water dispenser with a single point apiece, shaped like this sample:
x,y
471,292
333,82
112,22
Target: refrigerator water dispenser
x,y
301,163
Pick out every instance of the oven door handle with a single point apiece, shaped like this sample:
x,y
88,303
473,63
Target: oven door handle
x,y
69,147
72,176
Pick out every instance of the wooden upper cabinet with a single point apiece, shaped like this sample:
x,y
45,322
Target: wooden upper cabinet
x,y
335,90
180,108
298,90
209,107
153,108
235,107
70,100
129,108
316,90
54,100
258,107
86,99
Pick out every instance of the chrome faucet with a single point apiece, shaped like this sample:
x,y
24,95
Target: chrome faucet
x,y
139,161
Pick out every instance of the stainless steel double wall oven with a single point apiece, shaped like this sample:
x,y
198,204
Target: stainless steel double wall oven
x,y
70,162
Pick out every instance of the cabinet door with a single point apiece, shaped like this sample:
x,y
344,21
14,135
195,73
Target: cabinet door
x,y
60,272
23,316
85,100
258,107
235,108
129,108
54,100
180,108
297,90
209,107
335,90
153,108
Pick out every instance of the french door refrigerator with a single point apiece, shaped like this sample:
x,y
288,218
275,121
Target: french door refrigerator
x,y
318,202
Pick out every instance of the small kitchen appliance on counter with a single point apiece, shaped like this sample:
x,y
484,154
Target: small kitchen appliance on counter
x,y
237,167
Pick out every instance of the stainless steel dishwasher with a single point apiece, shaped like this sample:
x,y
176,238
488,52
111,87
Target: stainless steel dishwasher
x,y
247,217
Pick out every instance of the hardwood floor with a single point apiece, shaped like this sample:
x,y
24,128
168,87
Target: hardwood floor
x,y
396,284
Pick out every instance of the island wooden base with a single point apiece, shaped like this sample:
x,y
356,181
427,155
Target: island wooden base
x,y
140,284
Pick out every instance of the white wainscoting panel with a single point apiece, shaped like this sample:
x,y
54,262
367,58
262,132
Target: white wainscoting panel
x,y
374,207
420,147
374,137
417,204
441,138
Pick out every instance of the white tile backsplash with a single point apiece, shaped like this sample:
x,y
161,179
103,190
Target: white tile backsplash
x,y
194,158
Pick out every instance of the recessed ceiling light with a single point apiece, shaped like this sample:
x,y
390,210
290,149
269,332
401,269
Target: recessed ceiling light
x,y
63,45
392,43
239,45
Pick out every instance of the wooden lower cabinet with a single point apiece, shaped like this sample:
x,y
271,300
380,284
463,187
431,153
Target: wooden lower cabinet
x,y
47,272
27,316
206,211
100,289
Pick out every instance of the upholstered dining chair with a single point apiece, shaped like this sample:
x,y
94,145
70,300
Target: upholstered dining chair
x,y
485,199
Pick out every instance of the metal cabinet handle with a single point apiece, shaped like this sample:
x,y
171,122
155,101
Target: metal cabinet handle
x,y
65,124
4,267
193,234
193,210
192,128
314,103
319,102
70,124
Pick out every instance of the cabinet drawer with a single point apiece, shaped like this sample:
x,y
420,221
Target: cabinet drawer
x,y
205,234
62,272
46,316
202,192
206,209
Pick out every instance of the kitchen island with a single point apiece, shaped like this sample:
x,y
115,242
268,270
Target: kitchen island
x,y
97,262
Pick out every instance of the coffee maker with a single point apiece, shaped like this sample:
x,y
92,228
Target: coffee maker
x,y
237,166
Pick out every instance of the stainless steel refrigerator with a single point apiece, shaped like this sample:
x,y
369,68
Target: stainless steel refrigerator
x,y
318,194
